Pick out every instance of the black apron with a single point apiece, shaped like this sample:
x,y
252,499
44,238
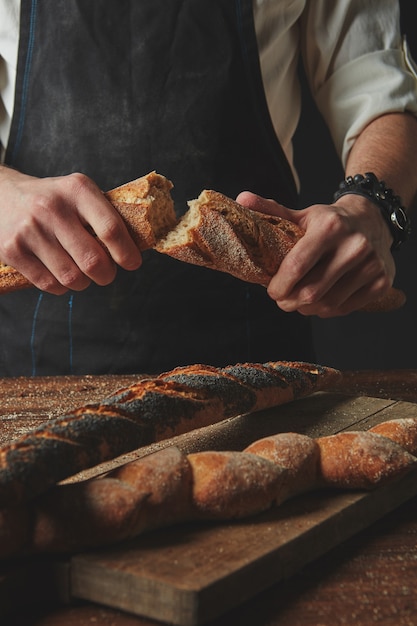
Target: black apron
x,y
115,89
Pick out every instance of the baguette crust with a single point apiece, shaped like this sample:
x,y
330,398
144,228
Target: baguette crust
x,y
402,430
361,460
232,485
146,207
12,280
298,454
218,233
138,496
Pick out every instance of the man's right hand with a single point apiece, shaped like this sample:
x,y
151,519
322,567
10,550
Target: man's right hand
x,y
55,231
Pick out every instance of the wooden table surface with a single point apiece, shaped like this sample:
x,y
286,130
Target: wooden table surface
x,y
369,579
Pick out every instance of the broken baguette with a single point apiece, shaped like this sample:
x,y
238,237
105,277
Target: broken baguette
x,y
146,207
216,232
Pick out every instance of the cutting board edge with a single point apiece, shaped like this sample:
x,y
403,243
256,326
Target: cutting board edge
x,y
195,607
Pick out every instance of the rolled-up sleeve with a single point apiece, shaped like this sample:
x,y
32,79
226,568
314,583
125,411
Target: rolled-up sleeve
x,y
358,65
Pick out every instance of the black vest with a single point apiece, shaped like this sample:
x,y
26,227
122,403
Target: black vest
x,y
115,89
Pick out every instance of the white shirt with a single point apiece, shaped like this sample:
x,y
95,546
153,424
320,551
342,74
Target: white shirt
x,y
356,62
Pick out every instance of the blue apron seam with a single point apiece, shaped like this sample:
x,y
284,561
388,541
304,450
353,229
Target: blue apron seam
x,y
25,85
32,337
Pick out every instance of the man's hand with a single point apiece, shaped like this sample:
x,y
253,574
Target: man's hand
x,y
53,231
341,263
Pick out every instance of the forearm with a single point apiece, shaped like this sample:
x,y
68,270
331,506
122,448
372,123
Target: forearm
x,y
344,260
387,147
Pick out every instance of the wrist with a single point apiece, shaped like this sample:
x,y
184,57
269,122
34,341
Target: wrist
x,y
389,204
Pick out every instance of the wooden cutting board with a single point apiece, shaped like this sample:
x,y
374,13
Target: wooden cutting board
x,y
193,573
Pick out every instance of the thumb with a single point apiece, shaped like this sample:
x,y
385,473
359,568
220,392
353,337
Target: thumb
x,y
264,205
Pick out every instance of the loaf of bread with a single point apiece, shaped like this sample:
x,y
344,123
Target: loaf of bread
x,y
169,487
150,410
146,207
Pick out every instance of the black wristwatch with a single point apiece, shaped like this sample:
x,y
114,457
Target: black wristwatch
x,y
389,204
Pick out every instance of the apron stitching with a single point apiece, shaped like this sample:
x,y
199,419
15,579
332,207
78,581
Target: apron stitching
x,y
33,333
32,337
25,85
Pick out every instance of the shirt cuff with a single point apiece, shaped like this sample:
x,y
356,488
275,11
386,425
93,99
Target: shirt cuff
x,y
365,88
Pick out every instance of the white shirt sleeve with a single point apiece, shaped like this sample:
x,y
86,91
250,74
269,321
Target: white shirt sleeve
x,y
355,59
9,38
357,64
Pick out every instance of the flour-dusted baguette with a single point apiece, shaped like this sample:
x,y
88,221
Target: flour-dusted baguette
x,y
361,460
298,454
232,485
150,410
169,487
218,233
143,495
146,207
153,491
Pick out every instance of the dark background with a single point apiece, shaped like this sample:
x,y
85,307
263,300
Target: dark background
x,y
360,340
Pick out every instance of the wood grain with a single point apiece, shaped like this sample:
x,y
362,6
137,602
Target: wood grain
x,y
395,384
